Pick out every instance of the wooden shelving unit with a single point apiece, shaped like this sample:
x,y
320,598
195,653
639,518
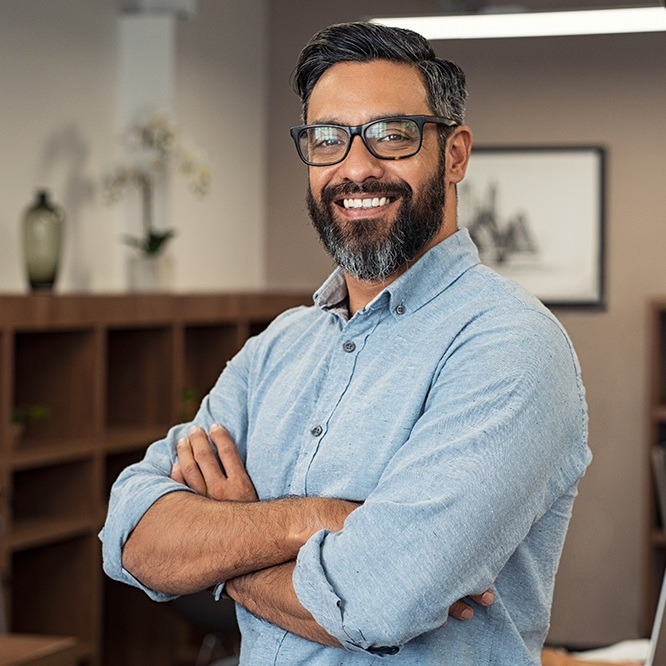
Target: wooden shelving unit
x,y
111,372
656,528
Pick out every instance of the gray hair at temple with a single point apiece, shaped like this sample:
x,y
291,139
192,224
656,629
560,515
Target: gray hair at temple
x,y
364,42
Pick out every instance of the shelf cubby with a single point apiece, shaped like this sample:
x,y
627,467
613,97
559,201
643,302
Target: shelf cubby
x,y
54,372
110,372
207,349
53,493
139,377
53,588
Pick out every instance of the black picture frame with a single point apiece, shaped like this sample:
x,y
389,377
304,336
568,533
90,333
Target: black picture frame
x,y
537,215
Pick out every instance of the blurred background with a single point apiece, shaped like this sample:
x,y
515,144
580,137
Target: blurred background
x,y
74,73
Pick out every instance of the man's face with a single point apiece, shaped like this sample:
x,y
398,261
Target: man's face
x,y
406,197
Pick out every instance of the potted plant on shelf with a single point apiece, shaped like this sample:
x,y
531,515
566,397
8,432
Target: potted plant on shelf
x,y
22,414
156,148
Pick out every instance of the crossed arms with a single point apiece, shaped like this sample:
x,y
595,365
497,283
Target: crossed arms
x,y
187,542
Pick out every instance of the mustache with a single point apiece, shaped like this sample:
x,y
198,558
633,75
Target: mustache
x,y
393,189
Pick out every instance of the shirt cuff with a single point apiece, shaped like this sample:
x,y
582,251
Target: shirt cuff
x,y
119,526
317,595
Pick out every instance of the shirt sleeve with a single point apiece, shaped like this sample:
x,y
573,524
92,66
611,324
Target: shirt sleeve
x,y
502,435
139,486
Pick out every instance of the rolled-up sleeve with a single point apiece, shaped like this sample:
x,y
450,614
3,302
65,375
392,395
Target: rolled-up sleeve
x,y
502,436
139,486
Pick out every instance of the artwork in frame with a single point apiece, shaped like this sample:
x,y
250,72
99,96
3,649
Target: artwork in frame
x,y
537,217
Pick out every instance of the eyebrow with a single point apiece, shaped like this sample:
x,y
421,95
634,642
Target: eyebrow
x,y
333,121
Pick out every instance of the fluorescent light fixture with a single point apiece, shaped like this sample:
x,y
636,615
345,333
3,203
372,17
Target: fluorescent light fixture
x,y
534,24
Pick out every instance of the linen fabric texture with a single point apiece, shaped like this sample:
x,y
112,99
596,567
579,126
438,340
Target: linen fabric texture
x,y
451,406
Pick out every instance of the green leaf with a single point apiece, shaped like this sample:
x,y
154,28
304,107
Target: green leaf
x,y
153,243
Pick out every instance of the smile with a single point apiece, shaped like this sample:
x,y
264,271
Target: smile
x,y
370,202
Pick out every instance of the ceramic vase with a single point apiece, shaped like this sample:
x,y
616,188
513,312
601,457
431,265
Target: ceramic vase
x,y
43,227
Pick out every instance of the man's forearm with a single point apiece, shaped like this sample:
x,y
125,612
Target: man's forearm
x,y
186,542
270,595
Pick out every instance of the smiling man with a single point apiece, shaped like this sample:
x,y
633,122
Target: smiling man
x,y
412,440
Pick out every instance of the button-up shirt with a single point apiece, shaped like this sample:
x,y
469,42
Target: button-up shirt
x,y
452,407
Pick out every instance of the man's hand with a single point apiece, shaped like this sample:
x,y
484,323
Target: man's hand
x,y
199,469
186,542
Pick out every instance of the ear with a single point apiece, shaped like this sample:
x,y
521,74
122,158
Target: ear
x,y
458,148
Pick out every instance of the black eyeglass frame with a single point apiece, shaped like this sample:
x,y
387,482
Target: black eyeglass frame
x,y
359,130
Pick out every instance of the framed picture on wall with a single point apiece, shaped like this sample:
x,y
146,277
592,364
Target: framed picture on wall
x,y
537,217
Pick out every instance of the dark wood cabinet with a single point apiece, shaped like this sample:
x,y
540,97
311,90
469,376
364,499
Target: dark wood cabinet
x,y
86,383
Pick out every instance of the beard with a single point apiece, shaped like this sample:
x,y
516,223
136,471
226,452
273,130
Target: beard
x,y
374,248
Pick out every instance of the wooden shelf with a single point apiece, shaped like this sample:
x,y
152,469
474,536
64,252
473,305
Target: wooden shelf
x,y
44,650
41,454
38,532
111,371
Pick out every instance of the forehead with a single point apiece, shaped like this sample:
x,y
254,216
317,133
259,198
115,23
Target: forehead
x,y
354,92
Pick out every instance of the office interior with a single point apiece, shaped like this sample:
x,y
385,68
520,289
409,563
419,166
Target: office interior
x,y
62,118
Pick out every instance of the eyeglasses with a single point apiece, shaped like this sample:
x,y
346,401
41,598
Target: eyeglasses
x,y
386,138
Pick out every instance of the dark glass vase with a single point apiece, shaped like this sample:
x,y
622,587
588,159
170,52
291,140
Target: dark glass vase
x,y
43,226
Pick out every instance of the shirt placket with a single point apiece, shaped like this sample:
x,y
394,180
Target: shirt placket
x,y
342,364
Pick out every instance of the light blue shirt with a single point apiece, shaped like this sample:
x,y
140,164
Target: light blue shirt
x,y
452,407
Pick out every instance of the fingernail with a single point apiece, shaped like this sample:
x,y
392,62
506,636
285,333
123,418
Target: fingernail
x,y
193,430
488,597
467,614
215,426
182,441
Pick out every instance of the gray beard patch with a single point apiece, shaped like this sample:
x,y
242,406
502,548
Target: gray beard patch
x,y
363,247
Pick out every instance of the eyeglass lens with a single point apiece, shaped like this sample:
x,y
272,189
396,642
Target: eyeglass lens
x,y
390,139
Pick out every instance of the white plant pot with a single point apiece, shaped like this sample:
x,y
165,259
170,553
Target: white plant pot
x,y
150,273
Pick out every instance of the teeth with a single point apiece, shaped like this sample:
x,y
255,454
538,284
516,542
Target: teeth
x,y
366,203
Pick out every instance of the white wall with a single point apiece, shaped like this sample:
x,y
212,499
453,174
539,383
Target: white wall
x,y
58,130
57,80
221,84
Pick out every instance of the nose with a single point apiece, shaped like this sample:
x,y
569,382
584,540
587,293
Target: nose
x,y
360,164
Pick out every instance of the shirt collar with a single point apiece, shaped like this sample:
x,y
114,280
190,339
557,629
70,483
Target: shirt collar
x,y
332,295
429,276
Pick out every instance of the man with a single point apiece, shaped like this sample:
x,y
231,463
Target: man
x,y
414,438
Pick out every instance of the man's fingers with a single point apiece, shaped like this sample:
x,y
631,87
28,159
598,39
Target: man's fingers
x,y
459,610
203,453
189,468
484,599
238,485
176,474
227,451
199,468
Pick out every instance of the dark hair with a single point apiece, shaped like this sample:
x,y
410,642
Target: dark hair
x,y
364,42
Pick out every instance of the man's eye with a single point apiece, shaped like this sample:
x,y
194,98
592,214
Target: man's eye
x,y
325,137
328,142
393,137
393,133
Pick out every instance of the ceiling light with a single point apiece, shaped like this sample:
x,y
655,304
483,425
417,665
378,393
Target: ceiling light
x,y
534,24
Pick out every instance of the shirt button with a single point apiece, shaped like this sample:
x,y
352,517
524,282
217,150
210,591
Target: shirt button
x,y
316,431
401,309
349,346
